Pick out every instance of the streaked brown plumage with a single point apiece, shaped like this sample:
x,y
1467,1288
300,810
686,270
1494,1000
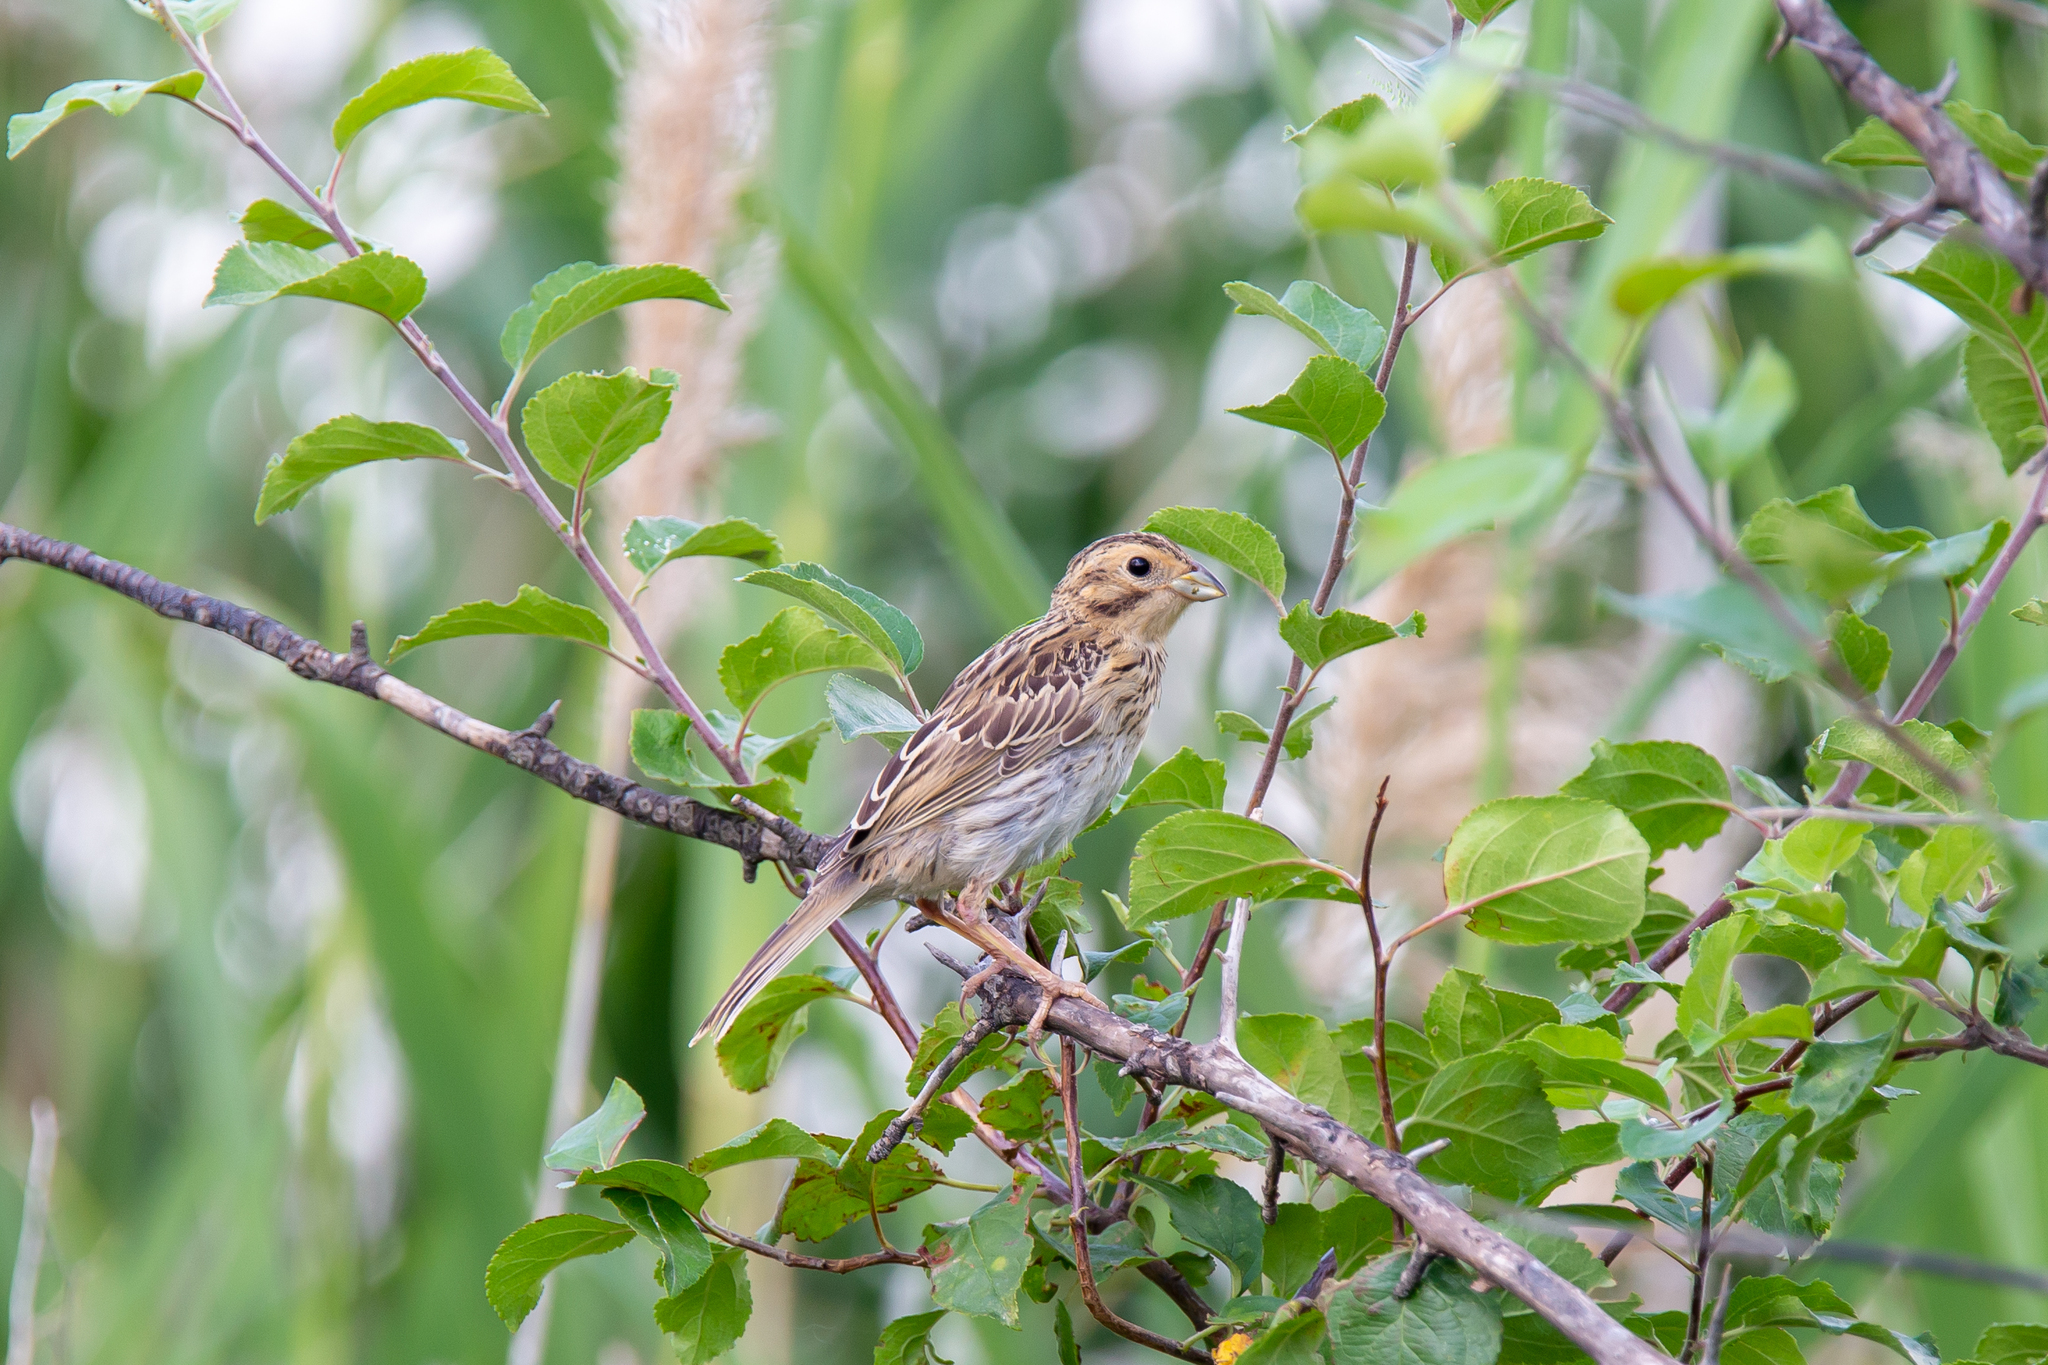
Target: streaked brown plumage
x,y
1030,743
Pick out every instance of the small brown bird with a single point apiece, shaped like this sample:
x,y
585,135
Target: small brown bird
x,y
1030,744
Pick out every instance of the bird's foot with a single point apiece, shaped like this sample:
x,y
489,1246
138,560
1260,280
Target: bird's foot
x,y
973,984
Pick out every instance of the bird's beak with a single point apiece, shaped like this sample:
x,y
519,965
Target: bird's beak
x,y
1198,585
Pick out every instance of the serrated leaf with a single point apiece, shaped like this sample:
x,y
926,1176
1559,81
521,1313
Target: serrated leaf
x,y
522,1261
1642,1142
477,75
194,16
1294,1051
1946,867
908,1341
584,426
795,641
777,1138
1016,1108
678,1184
1449,498
530,612
892,634
751,1051
1319,639
2002,392
681,1253
256,272
1674,793
651,542
1444,1322
595,1141
1336,328
2012,1343
115,97
343,443
266,220
583,292
1877,143
979,1262
1186,779
1529,214
1830,540
1220,1217
1332,402
1503,1131
1231,538
1188,862
1547,869
860,709
1579,1064
1241,727
705,1320
1342,119
1862,742
1980,287
1711,1002
1863,649
1833,1076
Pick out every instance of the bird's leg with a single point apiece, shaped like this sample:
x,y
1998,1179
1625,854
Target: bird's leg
x,y
972,900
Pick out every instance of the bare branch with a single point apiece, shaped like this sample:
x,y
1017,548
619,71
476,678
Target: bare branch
x,y
35,1226
831,1265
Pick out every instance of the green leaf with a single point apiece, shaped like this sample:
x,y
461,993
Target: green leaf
x,y
1646,286
1241,727
1063,1333
1220,1217
1295,1052
1462,1017
1829,538
1711,1002
1818,846
1529,214
1732,621
1877,143
948,1027
266,220
343,443
478,75
583,426
651,542
1016,1108
1336,328
1946,867
530,612
2012,1343
194,16
751,1051
2034,613
678,1184
893,634
2002,392
794,642
1449,498
1188,862
682,1254
1863,649
1833,1076
595,1141
1863,742
256,272
512,1281
1295,1341
584,292
1186,779
1231,538
1342,119
1579,1063
1480,11
1673,793
1332,402
1547,869
883,1184
908,1341
114,97
1503,1131
1759,401
2007,354
979,1262
1300,737
1319,639
705,1320
1442,1323
766,1142
859,709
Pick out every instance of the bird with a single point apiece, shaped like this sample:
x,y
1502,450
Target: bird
x,y
1030,743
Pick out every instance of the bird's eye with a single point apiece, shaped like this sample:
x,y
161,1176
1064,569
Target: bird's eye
x,y
1139,566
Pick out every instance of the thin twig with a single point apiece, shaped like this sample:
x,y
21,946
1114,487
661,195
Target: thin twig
x,y
1233,955
831,1265
1083,1268
913,1117
1712,1354
1702,1258
35,1225
1269,1200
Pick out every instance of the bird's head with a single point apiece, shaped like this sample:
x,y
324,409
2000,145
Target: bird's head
x,y
1136,583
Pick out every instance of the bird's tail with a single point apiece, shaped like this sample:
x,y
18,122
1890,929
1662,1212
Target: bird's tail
x,y
832,894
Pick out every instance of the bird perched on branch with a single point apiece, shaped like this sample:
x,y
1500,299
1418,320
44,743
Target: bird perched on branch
x,y
1027,747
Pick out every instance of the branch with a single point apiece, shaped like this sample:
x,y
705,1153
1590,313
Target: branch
x,y
1964,177
831,1265
1312,1133
526,749
35,1224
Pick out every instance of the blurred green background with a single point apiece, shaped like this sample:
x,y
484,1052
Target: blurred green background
x,y
291,967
